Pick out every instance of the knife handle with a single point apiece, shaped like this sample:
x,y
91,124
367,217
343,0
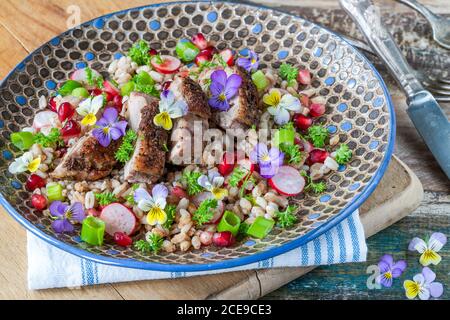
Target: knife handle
x,y
367,17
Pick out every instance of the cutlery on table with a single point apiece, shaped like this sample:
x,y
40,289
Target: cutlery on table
x,y
425,113
440,25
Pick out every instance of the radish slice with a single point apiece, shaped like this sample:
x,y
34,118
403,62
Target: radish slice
x,y
218,214
227,56
118,218
169,64
110,88
202,196
46,119
80,75
287,181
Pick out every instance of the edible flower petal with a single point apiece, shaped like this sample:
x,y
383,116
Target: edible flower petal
x,y
89,108
109,127
389,270
429,250
213,183
279,107
63,214
169,108
25,163
269,161
153,204
223,89
423,286
251,63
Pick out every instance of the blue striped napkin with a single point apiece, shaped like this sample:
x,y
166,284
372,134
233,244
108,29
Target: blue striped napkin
x,y
50,267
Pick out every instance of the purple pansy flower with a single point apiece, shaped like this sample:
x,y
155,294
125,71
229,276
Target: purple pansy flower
x,y
109,128
423,286
389,269
251,63
223,89
63,214
269,161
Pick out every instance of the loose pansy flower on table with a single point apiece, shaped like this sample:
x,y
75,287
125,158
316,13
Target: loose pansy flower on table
x,y
169,108
280,106
89,108
429,250
25,163
389,270
213,182
223,89
154,204
109,127
63,214
423,286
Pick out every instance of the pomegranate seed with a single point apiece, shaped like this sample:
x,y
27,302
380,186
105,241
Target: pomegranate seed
x,y
200,41
122,239
206,238
166,85
302,122
228,164
227,56
38,201
210,50
52,104
93,212
71,129
65,111
223,239
316,110
304,100
202,58
304,77
179,192
34,182
152,52
117,100
316,156
96,92
109,96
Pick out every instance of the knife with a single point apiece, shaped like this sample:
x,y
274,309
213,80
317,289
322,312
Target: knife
x,y
425,113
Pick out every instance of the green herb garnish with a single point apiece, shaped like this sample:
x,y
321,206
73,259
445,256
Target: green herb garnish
x,y
240,176
316,187
287,218
125,151
139,53
343,154
53,139
205,211
93,81
153,244
147,89
190,178
242,233
288,72
105,198
170,212
130,198
293,153
317,134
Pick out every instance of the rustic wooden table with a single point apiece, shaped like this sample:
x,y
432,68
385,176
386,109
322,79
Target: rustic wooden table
x,y
25,25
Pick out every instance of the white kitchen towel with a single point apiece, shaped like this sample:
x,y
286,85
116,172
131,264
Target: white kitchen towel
x,y
50,267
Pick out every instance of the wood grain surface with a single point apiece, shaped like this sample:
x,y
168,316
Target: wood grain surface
x,y
25,25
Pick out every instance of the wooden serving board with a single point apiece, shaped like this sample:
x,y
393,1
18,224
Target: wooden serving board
x,y
398,193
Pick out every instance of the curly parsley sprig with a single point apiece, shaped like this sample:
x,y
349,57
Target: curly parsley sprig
x,y
240,176
53,139
288,72
316,187
205,212
152,244
139,53
105,198
170,210
293,153
343,154
318,134
287,218
190,178
123,154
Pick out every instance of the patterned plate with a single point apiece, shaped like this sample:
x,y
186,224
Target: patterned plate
x,y
359,110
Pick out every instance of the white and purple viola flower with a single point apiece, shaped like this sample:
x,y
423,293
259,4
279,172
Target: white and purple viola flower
x,y
109,127
63,214
153,204
169,108
213,182
389,270
423,286
223,89
269,161
429,249
250,63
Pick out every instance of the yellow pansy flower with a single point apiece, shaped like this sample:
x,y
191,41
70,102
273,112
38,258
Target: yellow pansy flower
x,y
213,183
169,108
89,109
153,204
25,163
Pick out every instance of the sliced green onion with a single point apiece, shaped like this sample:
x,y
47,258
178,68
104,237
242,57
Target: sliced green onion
x,y
80,93
54,192
260,80
186,50
68,87
229,222
260,228
22,140
127,89
93,231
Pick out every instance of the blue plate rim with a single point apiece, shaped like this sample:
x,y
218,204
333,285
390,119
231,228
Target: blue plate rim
x,y
229,263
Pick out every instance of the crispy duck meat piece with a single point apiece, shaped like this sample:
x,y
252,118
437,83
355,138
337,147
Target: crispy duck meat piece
x,y
148,160
182,138
87,160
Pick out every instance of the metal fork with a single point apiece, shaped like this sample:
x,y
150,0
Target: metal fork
x,y
438,85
